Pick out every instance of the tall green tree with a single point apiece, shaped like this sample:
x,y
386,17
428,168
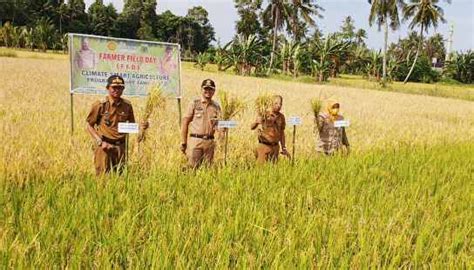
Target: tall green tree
x,y
77,18
128,22
434,48
276,14
147,20
279,13
202,30
248,23
360,37
102,18
348,29
385,13
303,13
425,14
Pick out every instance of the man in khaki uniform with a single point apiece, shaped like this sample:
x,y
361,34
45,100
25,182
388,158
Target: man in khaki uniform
x,y
102,124
331,139
200,121
272,133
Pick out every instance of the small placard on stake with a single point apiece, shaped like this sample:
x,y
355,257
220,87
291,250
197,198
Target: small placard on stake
x,y
295,121
128,127
342,123
227,124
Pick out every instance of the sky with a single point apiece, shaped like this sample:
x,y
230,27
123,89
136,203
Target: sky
x,y
223,15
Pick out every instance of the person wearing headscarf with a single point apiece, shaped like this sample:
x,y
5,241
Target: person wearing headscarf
x,y
331,139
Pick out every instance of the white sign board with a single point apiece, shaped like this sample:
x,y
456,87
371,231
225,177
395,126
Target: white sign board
x,y
342,123
227,124
295,121
128,127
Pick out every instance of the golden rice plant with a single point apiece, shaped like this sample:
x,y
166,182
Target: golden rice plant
x,y
316,105
156,100
231,106
263,104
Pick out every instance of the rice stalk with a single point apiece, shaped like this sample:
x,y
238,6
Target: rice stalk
x,y
263,104
156,100
231,106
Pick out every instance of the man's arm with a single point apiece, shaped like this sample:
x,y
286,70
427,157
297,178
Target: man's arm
x,y
283,143
257,122
184,133
96,137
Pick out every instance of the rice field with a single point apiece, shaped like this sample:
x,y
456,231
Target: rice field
x,y
402,199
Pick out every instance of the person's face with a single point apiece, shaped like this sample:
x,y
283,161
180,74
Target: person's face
x,y
208,92
277,104
115,91
85,44
335,109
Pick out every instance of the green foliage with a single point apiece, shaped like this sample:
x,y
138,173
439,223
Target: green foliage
x,y
44,33
328,53
246,55
461,67
422,72
202,59
393,208
102,18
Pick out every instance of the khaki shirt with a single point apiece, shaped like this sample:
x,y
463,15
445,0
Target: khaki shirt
x,y
331,138
203,116
106,114
273,127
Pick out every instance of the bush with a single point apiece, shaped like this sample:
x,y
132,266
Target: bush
x,y
422,71
461,67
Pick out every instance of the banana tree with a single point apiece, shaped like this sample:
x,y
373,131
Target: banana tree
x,y
328,50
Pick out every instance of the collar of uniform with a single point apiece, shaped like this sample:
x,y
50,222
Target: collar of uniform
x,y
204,101
113,102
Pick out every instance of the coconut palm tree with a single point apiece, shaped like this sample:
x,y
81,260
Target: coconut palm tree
x,y
423,13
381,12
281,12
305,9
278,12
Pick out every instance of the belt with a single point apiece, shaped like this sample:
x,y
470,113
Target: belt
x,y
114,142
268,143
202,136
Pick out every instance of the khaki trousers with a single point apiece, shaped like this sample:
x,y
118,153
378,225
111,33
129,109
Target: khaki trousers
x,y
266,153
200,151
109,160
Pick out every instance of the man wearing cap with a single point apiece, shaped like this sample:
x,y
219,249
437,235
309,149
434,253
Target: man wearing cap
x,y
102,124
200,121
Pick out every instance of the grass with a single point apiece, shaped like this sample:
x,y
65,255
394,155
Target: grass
x,y
380,209
402,199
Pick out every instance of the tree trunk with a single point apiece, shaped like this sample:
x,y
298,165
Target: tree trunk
x,y
416,55
385,44
275,24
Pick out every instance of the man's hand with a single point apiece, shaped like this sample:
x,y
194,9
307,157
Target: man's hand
x,y
183,147
285,152
144,125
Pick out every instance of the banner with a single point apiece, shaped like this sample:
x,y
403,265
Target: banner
x,y
142,64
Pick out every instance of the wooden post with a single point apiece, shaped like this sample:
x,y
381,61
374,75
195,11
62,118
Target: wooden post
x,y
72,114
179,111
294,141
226,134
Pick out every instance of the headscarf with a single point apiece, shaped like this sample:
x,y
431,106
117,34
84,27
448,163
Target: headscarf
x,y
333,113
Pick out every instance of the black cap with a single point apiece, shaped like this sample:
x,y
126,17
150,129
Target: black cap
x,y
208,83
115,80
